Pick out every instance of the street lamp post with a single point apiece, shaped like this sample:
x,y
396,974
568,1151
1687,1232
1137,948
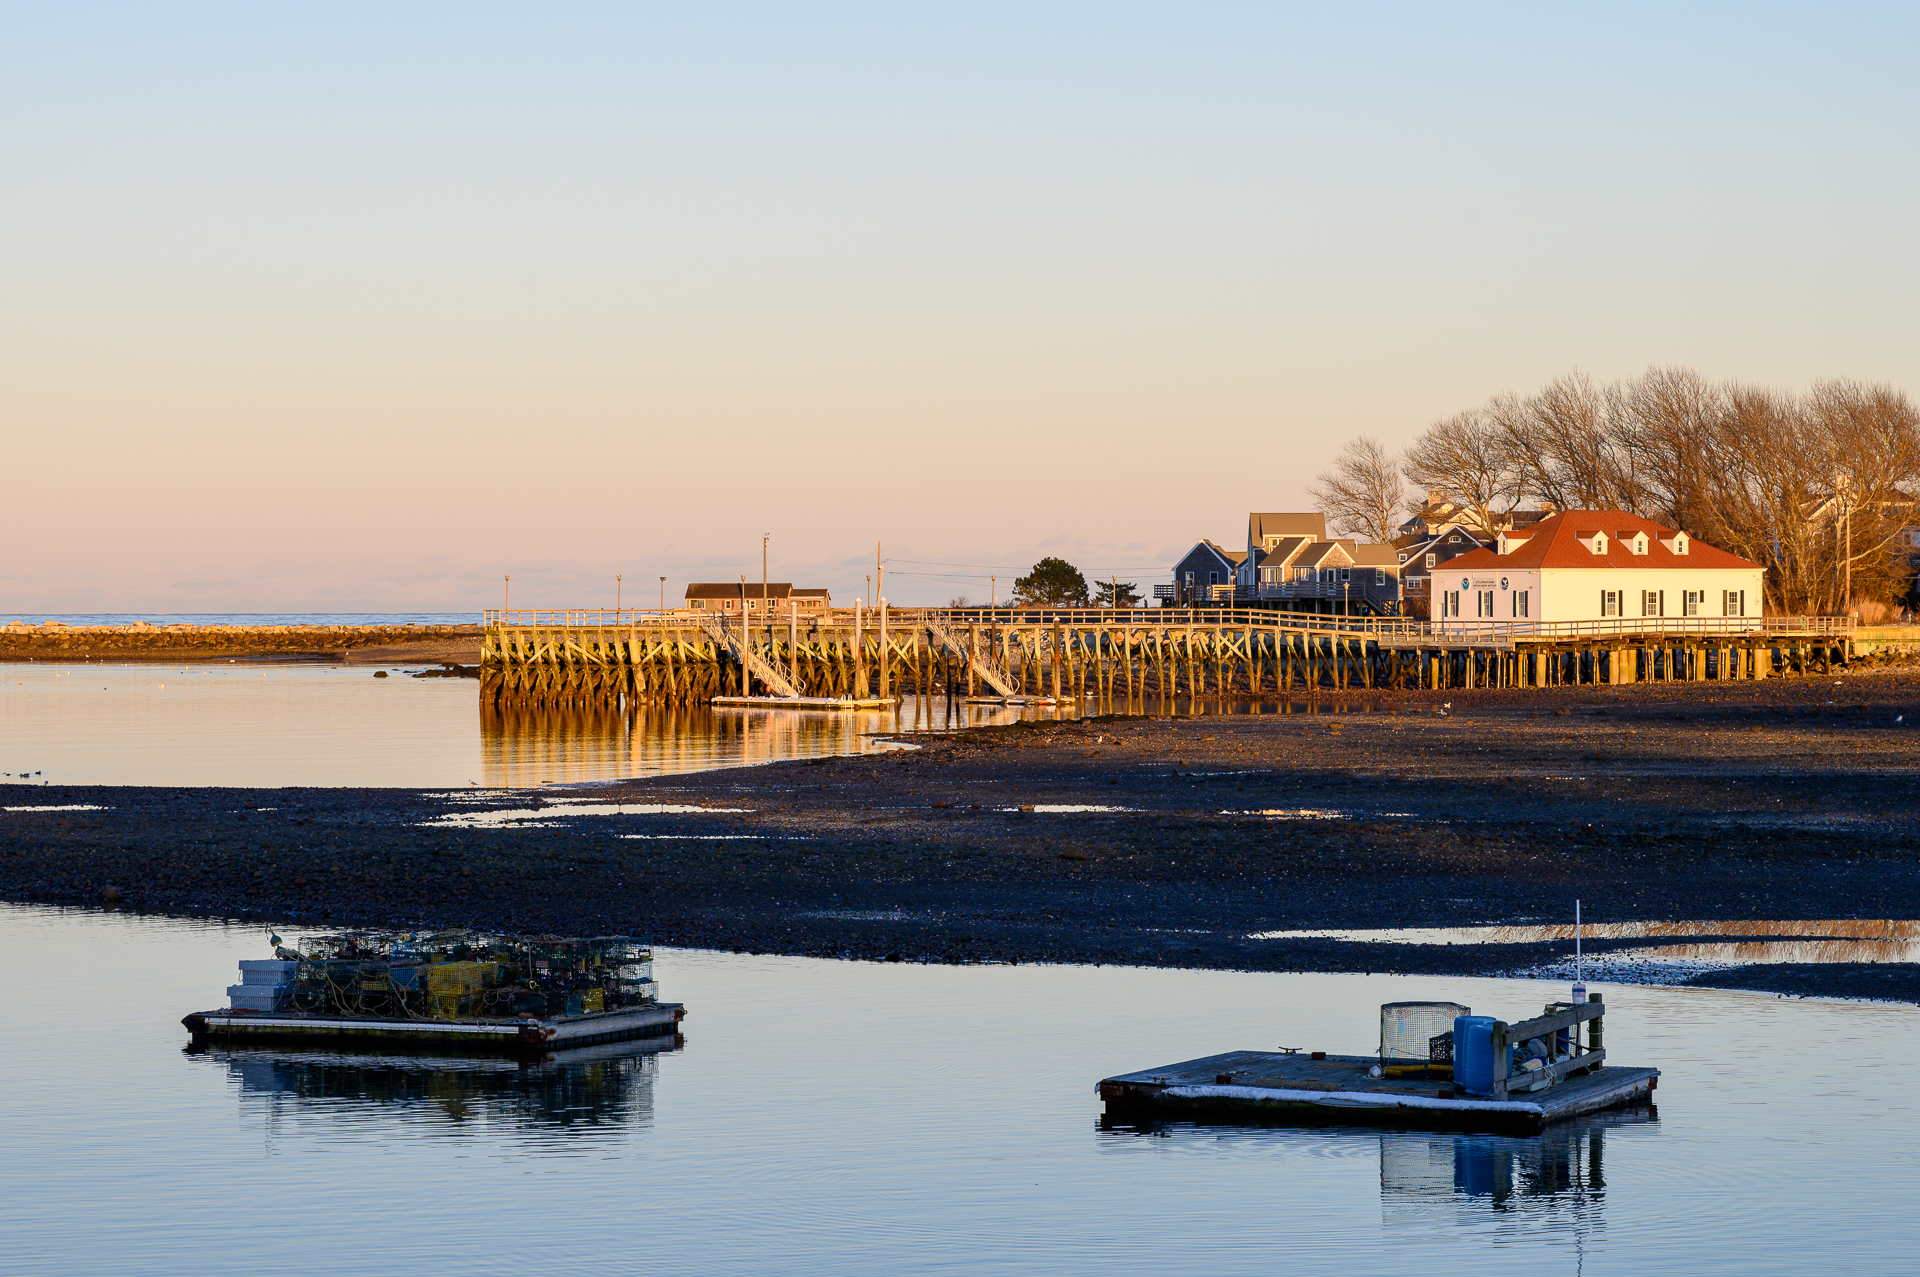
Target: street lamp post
x,y
663,594
616,597
506,603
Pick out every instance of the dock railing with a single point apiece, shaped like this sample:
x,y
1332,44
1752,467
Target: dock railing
x,y
1561,1016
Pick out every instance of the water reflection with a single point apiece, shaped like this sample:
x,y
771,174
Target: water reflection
x,y
1554,1180
371,1097
524,745
1554,1183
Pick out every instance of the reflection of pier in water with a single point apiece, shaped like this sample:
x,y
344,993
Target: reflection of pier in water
x,y
608,1086
532,743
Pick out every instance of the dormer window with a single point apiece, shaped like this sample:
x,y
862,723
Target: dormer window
x,y
1508,544
1675,541
1596,542
1633,542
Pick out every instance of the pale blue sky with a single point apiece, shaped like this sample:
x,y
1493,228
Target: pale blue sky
x,y
350,307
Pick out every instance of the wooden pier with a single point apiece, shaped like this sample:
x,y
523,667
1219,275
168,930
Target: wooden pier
x,y
1112,656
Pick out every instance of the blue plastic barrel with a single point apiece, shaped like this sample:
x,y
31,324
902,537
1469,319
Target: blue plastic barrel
x,y
1473,1054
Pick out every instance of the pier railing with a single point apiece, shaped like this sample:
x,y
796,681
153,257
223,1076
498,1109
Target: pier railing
x,y
1403,629
1501,631
584,616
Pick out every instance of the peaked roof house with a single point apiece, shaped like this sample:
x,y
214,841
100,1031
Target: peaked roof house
x,y
1599,566
1264,530
1419,557
1289,562
1200,574
1442,514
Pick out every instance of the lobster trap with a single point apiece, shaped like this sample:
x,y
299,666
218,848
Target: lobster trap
x,y
451,975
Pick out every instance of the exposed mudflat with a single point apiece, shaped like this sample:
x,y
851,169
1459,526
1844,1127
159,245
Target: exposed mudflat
x,y
1150,841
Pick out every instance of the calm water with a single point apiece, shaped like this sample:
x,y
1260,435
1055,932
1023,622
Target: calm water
x,y
881,1119
270,724
254,724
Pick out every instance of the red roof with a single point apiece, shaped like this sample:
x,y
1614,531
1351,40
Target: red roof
x,y
1557,543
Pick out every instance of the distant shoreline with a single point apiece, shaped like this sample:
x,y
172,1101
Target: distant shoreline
x,y
138,641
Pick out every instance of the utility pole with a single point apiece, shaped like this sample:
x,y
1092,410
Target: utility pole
x,y
764,614
880,566
506,604
746,641
993,592
616,597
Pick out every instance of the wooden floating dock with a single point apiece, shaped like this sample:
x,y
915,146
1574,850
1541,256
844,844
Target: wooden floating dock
x,y
1277,1086
1287,1086
859,655
516,1036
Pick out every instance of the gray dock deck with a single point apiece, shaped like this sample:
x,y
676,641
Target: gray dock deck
x,y
1292,1087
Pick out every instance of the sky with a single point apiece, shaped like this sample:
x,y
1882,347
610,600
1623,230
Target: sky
x,y
364,307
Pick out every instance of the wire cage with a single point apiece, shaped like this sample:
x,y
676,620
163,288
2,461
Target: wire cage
x,y
1416,1032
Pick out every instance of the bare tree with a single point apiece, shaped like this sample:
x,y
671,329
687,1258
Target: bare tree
x,y
1466,457
1872,451
1363,494
1668,421
1817,488
1568,443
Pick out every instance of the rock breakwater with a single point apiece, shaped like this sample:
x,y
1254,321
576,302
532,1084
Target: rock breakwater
x,y
140,641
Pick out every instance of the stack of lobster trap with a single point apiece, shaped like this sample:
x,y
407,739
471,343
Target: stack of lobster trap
x,y
451,975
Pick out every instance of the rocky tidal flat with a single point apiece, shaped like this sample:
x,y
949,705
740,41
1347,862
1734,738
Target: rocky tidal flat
x,y
139,641
1152,841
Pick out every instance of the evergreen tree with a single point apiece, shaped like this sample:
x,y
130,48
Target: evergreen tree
x,y
1055,582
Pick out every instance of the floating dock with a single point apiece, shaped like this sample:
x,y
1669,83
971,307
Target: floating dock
x,y
1278,1086
519,1035
1389,1089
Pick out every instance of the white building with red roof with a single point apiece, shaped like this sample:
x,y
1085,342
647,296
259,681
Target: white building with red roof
x,y
1598,565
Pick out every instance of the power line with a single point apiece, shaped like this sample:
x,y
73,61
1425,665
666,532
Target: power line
x,y
935,563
